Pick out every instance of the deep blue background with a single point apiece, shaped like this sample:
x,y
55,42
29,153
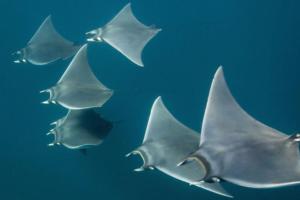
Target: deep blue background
x,y
256,41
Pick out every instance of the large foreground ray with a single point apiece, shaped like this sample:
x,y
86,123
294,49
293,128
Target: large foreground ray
x,y
126,34
81,129
79,88
46,46
166,143
242,150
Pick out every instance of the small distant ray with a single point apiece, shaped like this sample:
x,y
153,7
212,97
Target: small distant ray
x,y
166,143
81,129
46,46
79,88
126,34
237,148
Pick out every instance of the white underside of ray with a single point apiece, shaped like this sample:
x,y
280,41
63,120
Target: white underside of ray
x,y
172,141
242,150
128,35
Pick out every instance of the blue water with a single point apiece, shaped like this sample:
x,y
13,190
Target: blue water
x,y
257,42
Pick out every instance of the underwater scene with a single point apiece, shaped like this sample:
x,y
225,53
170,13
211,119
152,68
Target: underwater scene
x,y
140,99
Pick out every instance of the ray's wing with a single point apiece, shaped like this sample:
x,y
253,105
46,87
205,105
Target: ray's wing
x,y
226,123
126,17
162,124
47,33
79,71
128,35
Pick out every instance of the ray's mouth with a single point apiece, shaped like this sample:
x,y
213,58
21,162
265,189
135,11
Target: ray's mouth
x,y
56,137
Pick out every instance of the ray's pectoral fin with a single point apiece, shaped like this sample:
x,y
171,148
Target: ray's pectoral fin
x,y
226,123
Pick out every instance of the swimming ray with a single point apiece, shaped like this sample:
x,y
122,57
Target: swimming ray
x,y
241,150
166,143
79,88
46,46
126,34
81,129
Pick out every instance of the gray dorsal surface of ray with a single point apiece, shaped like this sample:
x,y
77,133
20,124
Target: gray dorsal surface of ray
x,y
126,34
46,46
242,150
81,129
79,88
166,143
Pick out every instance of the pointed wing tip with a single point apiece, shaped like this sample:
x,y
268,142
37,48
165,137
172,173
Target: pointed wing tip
x,y
83,47
140,64
219,71
216,189
226,195
128,5
138,61
82,50
219,76
158,102
48,19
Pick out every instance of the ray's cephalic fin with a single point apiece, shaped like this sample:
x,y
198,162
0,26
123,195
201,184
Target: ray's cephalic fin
x,y
295,137
147,165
